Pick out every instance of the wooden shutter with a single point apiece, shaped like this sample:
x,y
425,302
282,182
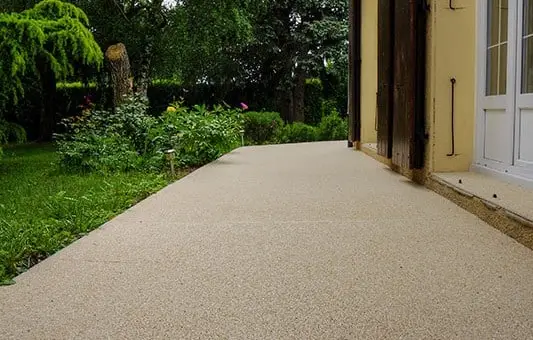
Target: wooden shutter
x,y
404,82
385,76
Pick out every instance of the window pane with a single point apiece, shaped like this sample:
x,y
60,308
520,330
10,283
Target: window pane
x,y
528,17
492,71
503,70
527,65
504,16
493,22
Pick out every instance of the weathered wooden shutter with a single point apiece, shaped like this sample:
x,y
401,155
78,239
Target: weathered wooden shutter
x,y
404,82
385,76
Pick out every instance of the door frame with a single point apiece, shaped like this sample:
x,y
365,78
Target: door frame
x,y
520,98
510,169
483,102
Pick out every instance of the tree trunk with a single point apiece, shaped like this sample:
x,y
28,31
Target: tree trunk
x,y
118,65
47,114
299,96
285,104
143,79
157,22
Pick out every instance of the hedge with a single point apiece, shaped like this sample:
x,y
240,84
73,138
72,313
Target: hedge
x,y
72,96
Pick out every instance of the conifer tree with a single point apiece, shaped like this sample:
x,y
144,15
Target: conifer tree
x,y
44,44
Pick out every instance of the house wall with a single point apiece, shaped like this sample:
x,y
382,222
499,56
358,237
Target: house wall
x,y
451,54
369,70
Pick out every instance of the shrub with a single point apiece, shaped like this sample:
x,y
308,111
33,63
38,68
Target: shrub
x,y
329,107
314,98
333,127
110,140
298,133
262,127
130,139
198,135
162,92
11,133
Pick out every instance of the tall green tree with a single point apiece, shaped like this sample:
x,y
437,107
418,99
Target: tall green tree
x,y
272,45
204,43
44,43
295,39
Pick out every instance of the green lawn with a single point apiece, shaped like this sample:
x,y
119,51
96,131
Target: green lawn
x,y
43,209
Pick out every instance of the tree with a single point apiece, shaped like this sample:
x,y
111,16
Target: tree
x,y
205,42
272,45
45,42
293,40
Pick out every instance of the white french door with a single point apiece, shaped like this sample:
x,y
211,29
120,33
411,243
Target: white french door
x,y
524,88
504,138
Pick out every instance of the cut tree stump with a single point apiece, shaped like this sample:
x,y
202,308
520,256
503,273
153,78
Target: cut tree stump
x,y
118,65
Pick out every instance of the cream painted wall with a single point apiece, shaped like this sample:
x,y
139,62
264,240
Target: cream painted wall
x,y
369,70
451,53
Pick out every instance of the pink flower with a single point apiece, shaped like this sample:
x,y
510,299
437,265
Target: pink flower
x,y
244,106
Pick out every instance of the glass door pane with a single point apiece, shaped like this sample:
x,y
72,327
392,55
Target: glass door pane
x,y
527,48
497,36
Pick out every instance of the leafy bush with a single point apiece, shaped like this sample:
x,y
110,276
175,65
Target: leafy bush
x,y
11,133
333,127
314,99
298,133
262,127
198,135
329,107
110,140
161,92
130,139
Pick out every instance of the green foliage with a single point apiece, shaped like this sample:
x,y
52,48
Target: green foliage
x,y
75,85
298,133
329,107
129,139
335,80
314,99
262,127
198,135
53,35
162,92
260,130
304,32
145,27
219,48
110,141
211,37
43,209
333,127
10,133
